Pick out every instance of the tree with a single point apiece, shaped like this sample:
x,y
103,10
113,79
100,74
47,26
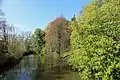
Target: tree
x,y
74,18
12,44
57,36
16,46
7,48
38,40
57,40
28,41
95,41
5,30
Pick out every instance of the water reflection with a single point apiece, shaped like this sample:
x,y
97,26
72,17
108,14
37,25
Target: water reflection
x,y
30,69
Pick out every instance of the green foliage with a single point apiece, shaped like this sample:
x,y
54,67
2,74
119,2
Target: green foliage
x,y
16,46
43,55
95,41
38,40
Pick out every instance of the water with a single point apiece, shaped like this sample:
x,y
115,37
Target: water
x,y
30,69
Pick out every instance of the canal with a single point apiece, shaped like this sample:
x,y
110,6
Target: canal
x,y
30,68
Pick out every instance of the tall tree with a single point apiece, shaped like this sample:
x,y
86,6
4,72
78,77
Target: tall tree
x,y
57,36
38,40
4,29
57,40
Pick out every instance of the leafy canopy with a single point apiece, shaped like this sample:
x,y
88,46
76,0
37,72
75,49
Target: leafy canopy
x,y
38,40
95,41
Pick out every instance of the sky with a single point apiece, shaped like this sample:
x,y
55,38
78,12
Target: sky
x,y
27,15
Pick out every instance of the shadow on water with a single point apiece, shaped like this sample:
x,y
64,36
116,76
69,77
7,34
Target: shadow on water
x,y
10,64
30,69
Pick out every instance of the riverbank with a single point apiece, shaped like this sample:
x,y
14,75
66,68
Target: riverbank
x,y
9,63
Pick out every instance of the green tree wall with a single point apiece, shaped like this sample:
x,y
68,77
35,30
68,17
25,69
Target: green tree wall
x,y
95,41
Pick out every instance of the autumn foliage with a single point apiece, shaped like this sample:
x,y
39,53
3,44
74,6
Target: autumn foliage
x,y
57,35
